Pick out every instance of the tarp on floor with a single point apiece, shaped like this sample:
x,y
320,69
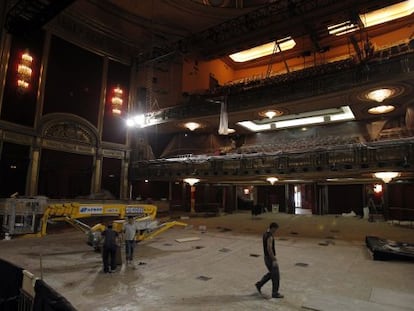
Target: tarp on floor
x,y
383,249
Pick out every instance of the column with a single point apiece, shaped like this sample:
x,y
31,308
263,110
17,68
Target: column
x,y
33,172
97,174
123,192
192,200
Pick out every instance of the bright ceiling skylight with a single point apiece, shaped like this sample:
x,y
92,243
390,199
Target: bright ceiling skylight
x,y
376,17
263,50
315,117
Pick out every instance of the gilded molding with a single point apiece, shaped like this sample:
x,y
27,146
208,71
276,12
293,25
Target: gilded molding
x,y
17,138
70,131
118,154
67,147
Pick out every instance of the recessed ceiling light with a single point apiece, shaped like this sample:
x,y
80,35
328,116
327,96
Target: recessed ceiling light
x,y
379,95
386,176
192,125
271,113
381,109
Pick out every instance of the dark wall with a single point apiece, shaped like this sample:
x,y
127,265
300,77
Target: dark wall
x,y
14,163
345,198
64,175
401,195
272,194
111,176
154,190
73,81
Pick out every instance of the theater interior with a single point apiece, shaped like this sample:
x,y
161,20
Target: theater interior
x,y
229,113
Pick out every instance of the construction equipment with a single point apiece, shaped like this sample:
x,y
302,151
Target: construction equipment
x,y
34,216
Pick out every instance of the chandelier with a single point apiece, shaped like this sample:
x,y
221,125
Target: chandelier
x,y
24,71
117,101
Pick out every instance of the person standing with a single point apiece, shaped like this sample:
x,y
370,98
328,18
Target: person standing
x,y
130,230
110,245
270,262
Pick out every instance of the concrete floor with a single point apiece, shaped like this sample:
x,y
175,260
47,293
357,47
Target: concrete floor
x,y
324,265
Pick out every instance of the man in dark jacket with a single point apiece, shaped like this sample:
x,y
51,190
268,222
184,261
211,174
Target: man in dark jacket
x,y
109,248
270,262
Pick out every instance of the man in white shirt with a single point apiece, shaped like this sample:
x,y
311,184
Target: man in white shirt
x,y
130,230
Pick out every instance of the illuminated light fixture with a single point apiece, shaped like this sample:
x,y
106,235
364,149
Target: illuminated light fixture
x,y
191,181
386,176
264,50
24,71
388,13
380,95
377,188
192,125
117,100
299,120
342,28
270,114
376,17
381,109
246,191
272,180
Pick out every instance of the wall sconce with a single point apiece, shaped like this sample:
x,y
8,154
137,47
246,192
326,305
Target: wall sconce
x,y
117,101
272,180
24,71
386,176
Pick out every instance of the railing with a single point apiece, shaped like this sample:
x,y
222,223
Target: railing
x,y
358,157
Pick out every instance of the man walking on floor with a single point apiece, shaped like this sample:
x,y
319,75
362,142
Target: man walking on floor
x,y
270,262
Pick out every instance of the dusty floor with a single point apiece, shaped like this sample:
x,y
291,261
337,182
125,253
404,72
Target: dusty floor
x,y
324,265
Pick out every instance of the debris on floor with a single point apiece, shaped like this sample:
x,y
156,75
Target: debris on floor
x,y
195,238
225,250
203,278
223,229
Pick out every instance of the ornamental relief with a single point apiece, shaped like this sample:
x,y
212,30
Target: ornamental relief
x,y
72,132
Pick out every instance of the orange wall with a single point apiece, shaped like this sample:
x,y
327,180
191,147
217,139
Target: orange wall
x,y
196,76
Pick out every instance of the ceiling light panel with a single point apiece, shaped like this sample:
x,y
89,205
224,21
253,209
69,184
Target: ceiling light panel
x,y
298,120
263,50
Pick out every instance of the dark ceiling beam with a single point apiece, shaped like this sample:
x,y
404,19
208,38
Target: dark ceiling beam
x,y
267,23
27,16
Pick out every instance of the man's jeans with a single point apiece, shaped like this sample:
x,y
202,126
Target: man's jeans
x,y
129,249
